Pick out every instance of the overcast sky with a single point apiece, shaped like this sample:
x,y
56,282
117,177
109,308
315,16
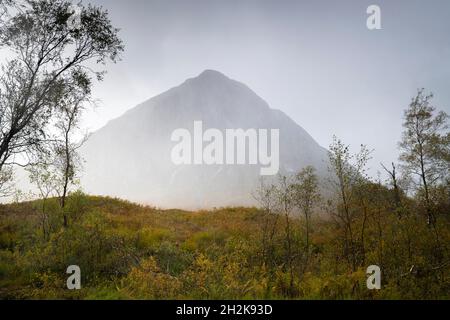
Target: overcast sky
x,y
315,60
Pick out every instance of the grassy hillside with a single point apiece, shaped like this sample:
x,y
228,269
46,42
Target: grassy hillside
x,y
128,251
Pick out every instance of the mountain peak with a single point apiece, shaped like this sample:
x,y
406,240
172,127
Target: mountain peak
x,y
211,82
131,157
207,78
209,73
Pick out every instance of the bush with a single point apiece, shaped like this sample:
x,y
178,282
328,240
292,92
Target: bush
x,y
147,281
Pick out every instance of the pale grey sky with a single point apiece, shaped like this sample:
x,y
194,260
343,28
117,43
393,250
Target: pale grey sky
x,y
315,60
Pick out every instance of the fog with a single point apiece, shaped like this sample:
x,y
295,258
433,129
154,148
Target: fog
x,y
137,156
314,60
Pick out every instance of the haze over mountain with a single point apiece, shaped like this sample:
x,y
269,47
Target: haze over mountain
x,y
130,157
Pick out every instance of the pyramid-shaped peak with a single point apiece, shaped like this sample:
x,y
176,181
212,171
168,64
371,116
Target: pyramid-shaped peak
x,y
209,73
216,81
210,78
143,136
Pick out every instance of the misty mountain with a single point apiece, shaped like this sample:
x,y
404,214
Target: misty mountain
x,y
130,157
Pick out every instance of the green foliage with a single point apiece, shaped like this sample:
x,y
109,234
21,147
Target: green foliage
x,y
150,238
203,240
127,251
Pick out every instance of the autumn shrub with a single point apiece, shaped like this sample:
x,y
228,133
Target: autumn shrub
x,y
147,281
